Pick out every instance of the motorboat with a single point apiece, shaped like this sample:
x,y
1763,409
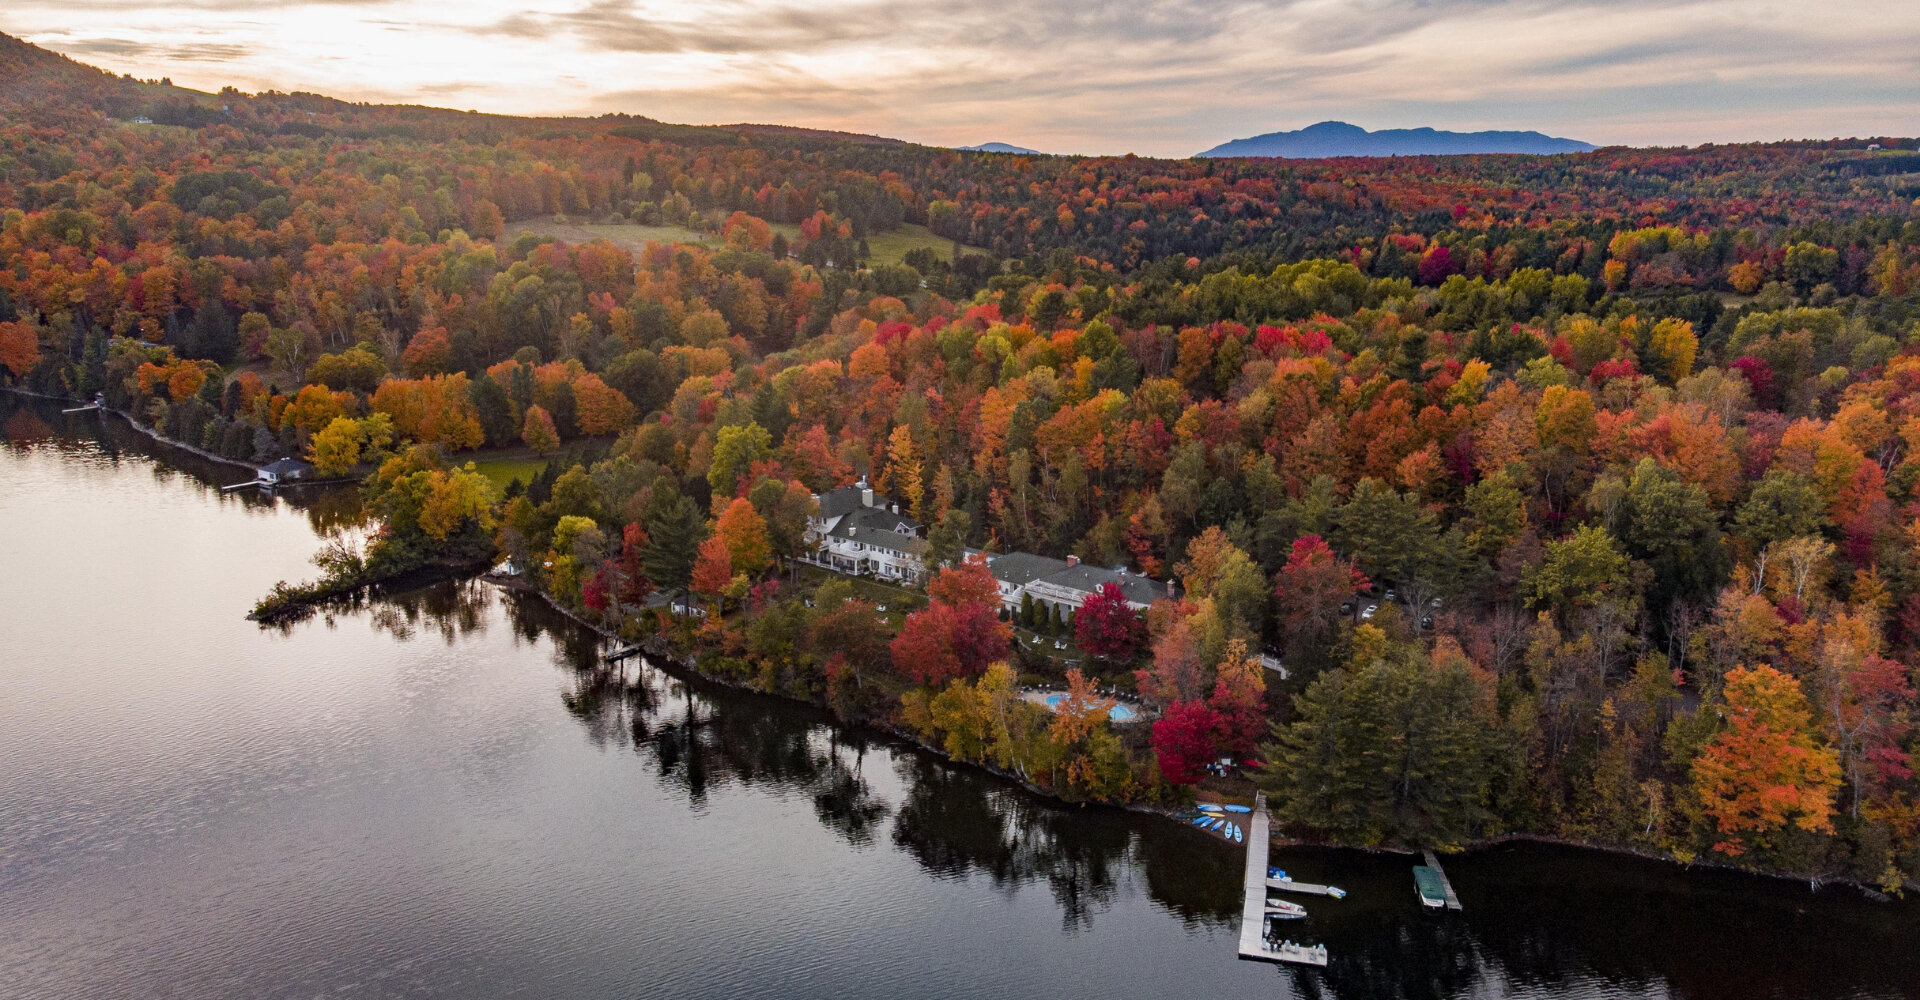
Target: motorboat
x,y
1280,909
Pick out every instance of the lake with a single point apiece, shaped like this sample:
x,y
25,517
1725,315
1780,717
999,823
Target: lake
x,y
444,794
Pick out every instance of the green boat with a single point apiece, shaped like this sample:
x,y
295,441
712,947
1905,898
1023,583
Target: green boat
x,y
1433,892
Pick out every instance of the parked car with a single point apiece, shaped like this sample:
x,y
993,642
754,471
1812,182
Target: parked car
x,y
1368,611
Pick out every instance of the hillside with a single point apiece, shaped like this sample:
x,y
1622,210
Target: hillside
x,y
999,147
1562,464
1341,139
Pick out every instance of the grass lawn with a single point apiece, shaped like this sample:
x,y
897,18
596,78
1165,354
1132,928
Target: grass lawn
x,y
889,247
892,247
628,235
506,469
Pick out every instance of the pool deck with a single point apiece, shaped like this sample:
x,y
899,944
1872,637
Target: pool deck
x,y
1138,712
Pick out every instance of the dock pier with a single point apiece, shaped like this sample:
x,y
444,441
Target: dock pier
x,y
1254,945
1452,901
1307,888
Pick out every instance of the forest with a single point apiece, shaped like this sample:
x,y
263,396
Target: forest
x,y
1576,493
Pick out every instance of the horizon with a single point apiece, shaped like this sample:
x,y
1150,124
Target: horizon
x,y
1167,82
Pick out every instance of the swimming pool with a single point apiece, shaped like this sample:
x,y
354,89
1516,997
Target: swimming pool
x,y
1118,713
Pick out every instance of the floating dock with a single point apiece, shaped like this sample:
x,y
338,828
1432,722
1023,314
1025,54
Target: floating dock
x,y
1289,885
1253,914
1430,881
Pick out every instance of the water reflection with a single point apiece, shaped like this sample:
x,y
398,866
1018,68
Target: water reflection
x,y
93,437
460,798
1539,920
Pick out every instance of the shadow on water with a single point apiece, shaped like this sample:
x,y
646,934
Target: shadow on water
x,y
1538,919
95,437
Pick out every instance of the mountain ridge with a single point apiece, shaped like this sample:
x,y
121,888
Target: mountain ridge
x,y
1337,138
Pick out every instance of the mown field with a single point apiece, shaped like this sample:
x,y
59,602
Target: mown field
x,y
889,247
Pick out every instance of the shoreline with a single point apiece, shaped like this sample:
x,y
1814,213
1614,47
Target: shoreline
x,y
193,450
650,646
306,606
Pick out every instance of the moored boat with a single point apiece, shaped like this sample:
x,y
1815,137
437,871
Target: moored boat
x,y
1280,909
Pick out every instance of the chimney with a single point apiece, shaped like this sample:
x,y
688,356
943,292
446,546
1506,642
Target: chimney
x,y
1073,561
866,492
1169,586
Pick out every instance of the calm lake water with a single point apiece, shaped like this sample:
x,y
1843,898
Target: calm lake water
x,y
439,795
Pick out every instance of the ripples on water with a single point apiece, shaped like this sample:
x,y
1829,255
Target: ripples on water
x,y
443,794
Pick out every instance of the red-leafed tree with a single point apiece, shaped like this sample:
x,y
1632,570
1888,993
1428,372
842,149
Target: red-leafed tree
x,y
1239,700
968,583
1106,625
1183,739
1311,587
957,635
634,584
595,593
925,651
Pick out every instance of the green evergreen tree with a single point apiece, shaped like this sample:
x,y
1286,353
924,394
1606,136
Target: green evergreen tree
x,y
1395,750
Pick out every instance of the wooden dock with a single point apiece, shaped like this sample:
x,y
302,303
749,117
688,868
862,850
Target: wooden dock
x,y
1289,885
1253,914
1446,885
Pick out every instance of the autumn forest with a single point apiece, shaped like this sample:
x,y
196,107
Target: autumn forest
x,y
1579,495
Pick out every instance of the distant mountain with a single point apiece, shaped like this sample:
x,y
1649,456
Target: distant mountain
x,y
999,147
1342,139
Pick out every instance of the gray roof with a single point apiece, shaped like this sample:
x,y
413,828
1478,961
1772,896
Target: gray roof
x,y
869,519
875,526
287,467
1087,579
834,503
1022,568
891,540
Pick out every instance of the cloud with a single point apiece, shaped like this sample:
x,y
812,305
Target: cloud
x,y
1153,76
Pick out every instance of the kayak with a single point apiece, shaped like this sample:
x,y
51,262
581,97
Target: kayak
x,y
1203,821
1239,809
1211,807
1239,836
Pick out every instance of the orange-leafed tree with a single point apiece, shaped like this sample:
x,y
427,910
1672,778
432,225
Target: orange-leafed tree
x,y
19,347
1765,772
600,408
712,568
744,533
430,352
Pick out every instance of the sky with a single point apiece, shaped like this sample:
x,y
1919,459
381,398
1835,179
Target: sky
x,y
1154,77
